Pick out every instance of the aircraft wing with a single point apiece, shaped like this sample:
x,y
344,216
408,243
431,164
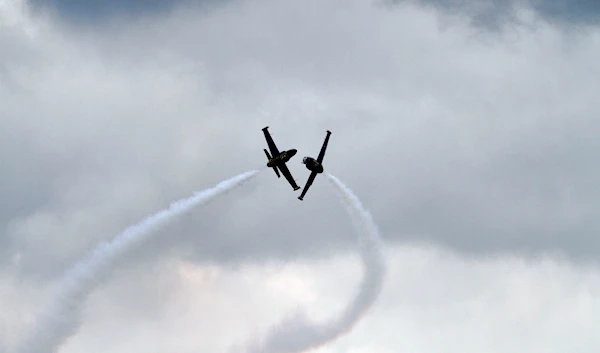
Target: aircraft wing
x,y
309,182
270,142
286,173
323,148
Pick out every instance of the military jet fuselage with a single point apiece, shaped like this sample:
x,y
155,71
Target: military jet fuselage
x,y
277,160
283,157
312,164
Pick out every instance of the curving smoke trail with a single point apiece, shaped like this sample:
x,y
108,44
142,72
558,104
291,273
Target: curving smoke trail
x,y
60,319
298,333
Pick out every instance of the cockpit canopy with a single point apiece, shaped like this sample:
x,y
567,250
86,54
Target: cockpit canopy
x,y
305,159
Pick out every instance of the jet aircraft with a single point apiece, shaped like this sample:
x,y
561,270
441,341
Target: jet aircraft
x,y
278,160
315,166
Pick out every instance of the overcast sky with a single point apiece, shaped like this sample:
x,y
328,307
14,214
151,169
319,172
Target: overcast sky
x,y
470,130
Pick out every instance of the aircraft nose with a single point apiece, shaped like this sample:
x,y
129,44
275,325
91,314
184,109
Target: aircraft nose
x,y
292,152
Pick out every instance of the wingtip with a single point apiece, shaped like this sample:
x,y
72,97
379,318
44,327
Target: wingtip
x,y
266,127
300,198
297,188
328,132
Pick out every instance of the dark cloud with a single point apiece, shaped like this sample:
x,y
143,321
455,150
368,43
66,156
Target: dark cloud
x,y
94,12
486,13
576,11
496,13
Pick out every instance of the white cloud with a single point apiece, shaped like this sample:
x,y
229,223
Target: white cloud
x,y
434,301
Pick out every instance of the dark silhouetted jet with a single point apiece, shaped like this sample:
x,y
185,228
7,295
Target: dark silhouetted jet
x,y
315,166
278,160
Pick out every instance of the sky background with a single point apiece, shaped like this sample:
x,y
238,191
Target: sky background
x,y
468,129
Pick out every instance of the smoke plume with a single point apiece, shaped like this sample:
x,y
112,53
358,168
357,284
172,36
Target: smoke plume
x,y
60,319
298,333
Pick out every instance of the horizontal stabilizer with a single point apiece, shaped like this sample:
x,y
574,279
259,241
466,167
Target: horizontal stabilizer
x,y
267,153
274,167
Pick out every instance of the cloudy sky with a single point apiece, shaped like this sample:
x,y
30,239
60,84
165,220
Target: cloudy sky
x,y
468,129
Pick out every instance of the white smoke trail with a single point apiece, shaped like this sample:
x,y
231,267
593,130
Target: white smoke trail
x,y
298,333
60,319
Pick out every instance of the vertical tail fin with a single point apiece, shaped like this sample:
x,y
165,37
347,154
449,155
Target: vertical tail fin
x,y
274,167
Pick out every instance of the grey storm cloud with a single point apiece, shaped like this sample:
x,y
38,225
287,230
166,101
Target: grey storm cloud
x,y
95,12
479,147
486,13
482,144
497,13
